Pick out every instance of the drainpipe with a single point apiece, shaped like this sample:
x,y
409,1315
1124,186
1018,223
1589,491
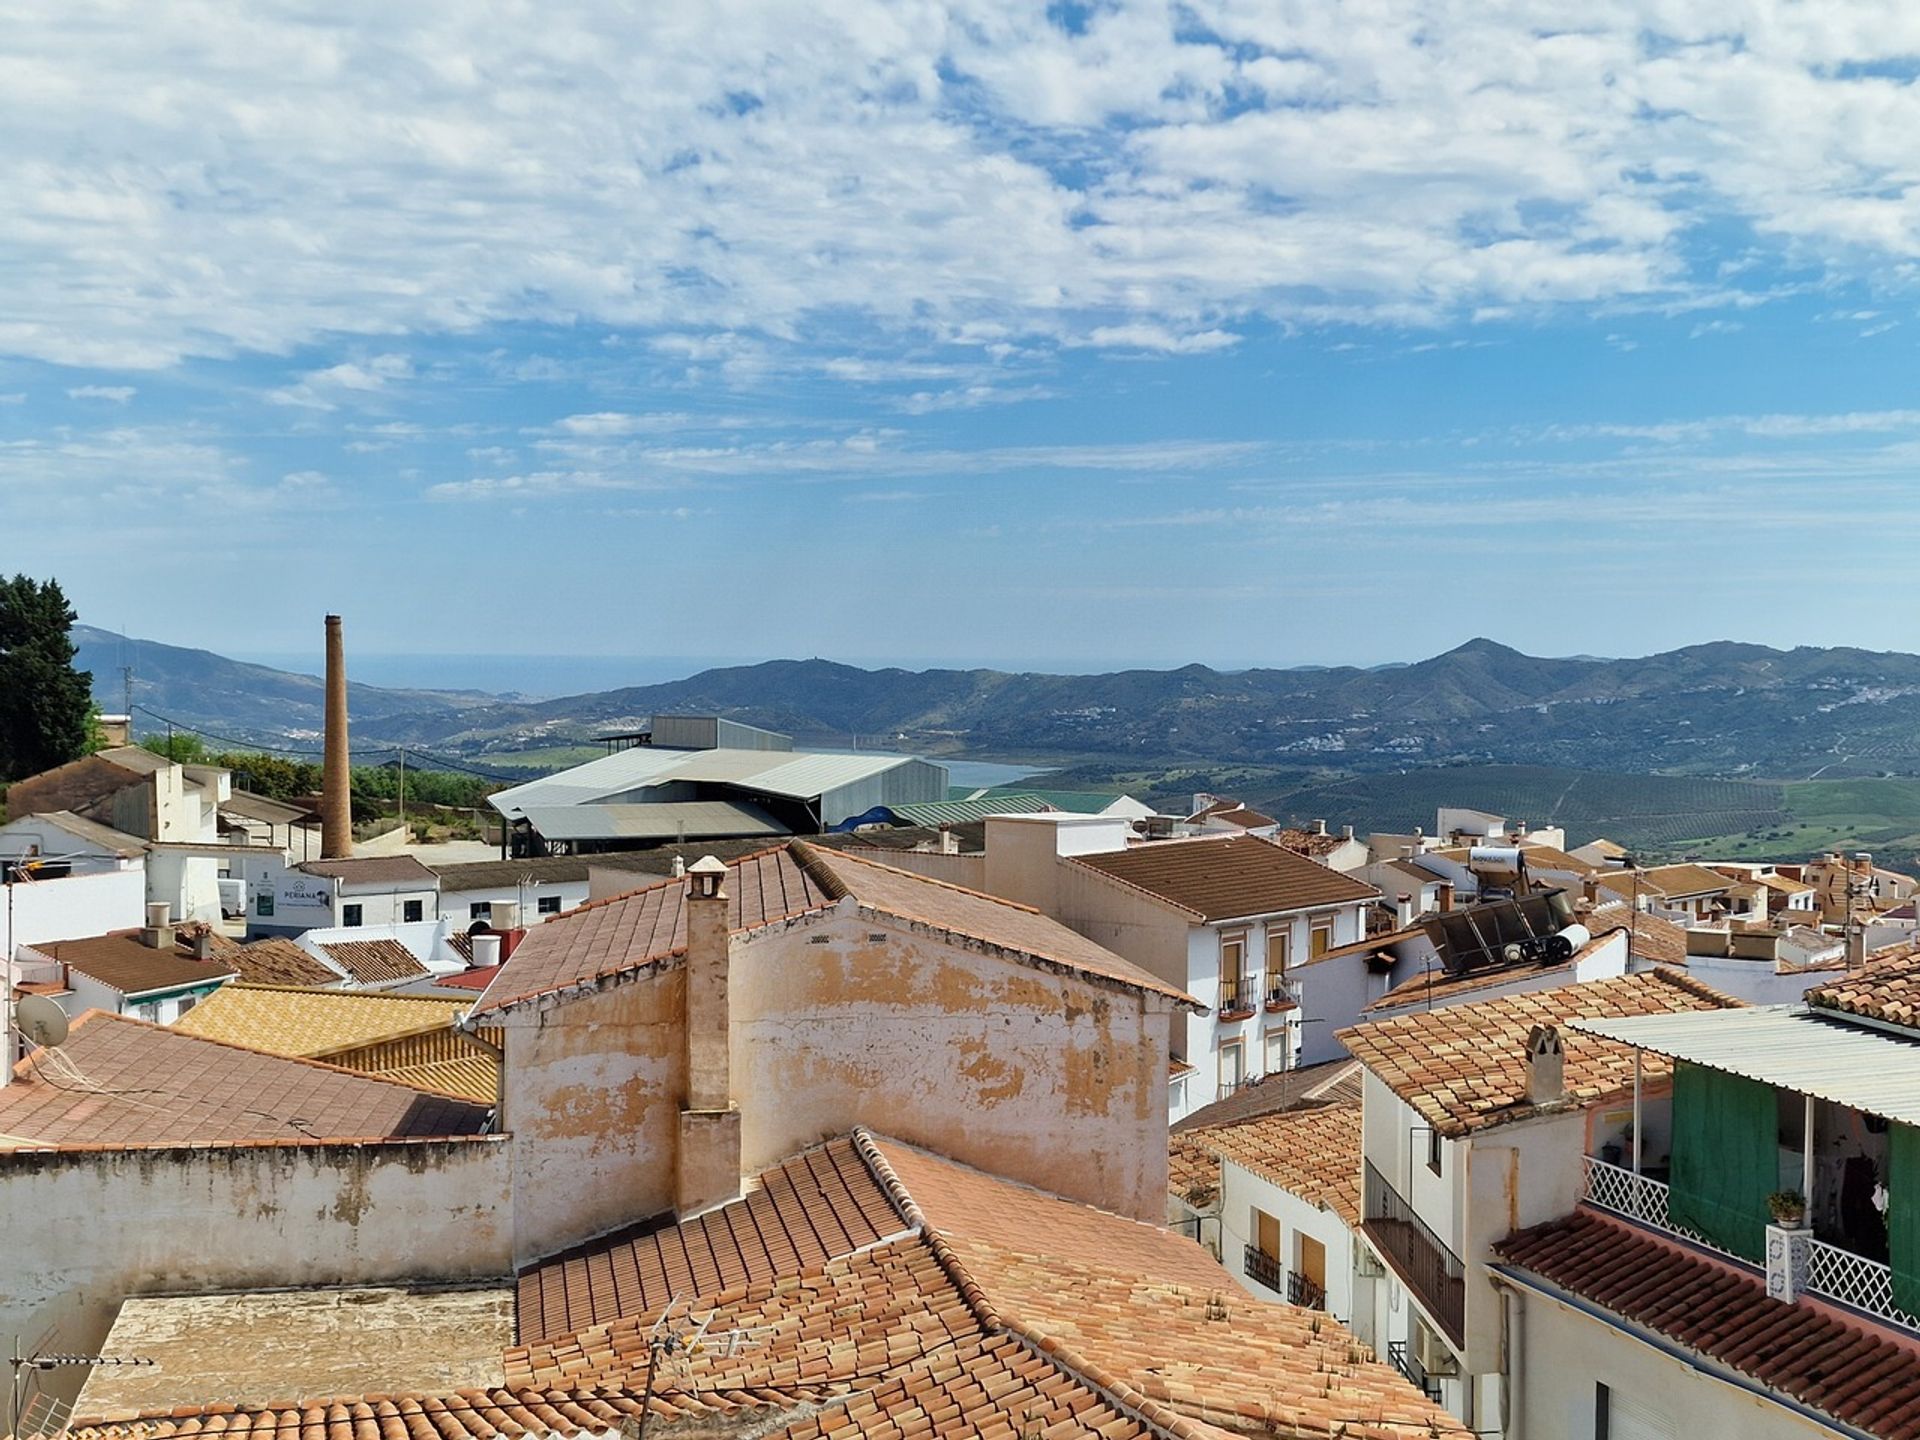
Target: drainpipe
x,y
1513,1330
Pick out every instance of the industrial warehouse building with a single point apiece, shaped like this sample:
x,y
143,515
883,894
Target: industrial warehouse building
x,y
698,777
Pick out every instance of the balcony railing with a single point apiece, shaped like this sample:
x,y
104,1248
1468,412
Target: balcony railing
x,y
1831,1272
1282,995
1265,1268
1408,1365
1302,1291
1236,998
1425,1263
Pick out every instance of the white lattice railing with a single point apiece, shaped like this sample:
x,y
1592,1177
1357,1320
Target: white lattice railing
x,y
1867,1285
1616,1188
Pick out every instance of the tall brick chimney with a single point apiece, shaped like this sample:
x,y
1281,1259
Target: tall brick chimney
x,y
336,813
707,1167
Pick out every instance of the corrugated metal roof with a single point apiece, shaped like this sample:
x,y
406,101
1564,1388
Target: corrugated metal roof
x,y
961,812
1789,1046
775,772
695,819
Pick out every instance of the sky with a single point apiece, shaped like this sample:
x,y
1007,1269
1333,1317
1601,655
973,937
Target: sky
x,y
1075,337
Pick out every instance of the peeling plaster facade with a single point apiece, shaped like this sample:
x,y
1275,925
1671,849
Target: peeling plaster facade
x,y
842,1019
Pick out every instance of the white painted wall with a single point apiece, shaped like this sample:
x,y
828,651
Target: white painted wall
x,y
457,905
1565,1351
87,1229
1243,1192
74,907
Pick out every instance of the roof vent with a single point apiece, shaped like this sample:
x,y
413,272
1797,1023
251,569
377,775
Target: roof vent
x,y
1546,1066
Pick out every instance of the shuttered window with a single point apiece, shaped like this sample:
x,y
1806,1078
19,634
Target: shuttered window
x,y
1725,1158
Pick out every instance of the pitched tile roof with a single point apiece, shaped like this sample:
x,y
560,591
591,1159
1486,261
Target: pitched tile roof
x,y
122,1082
1150,1312
1331,1080
105,837
1434,986
793,880
476,978
278,961
1681,881
986,918
1654,938
1223,879
122,961
1193,1171
1313,1152
809,1209
1311,843
1886,989
371,962
385,871
607,937
284,1020
1722,1311
1463,1067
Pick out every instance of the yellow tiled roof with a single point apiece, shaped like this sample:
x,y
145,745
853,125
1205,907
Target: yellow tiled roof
x,y
287,1020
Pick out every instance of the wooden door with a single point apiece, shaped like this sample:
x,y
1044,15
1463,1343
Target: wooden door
x,y
1266,1234
1313,1261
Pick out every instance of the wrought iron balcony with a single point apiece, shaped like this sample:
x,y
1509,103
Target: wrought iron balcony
x,y
1263,1267
1424,1262
1236,998
1282,995
1303,1292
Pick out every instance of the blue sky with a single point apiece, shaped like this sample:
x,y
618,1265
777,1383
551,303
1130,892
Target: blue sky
x,y
1114,334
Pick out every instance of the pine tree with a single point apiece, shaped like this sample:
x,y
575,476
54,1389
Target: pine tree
x,y
44,701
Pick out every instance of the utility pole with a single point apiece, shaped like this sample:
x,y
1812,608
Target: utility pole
x,y
126,678
403,787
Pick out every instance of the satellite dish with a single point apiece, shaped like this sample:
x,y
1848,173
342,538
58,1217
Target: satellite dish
x,y
41,1021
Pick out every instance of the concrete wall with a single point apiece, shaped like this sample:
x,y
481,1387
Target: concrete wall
x,y
72,908
457,905
87,1229
592,1099
985,1058
1564,1351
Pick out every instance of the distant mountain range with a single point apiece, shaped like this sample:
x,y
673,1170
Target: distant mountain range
x,y
1718,709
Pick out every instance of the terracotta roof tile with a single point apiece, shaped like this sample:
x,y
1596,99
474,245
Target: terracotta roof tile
x,y
812,1208
1312,1152
122,1082
371,962
1311,843
1887,989
1331,1080
1151,1311
1838,1367
1654,938
608,937
122,961
1681,881
1223,879
1463,1067
278,961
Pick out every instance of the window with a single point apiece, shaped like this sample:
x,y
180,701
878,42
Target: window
x,y
548,904
187,1002
480,910
1435,1148
1279,1050
263,903
1277,941
350,915
1602,1411
411,910
1234,994
149,1012
1321,938
1233,1066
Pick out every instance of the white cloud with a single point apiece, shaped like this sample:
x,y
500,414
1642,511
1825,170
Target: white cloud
x,y
326,389
968,172
14,397
118,394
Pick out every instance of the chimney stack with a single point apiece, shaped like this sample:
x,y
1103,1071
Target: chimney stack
x,y
336,813
158,932
1443,897
707,1168
946,842
1319,827
1546,1066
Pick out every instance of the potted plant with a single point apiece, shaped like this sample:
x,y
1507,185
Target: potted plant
x,y
1788,1208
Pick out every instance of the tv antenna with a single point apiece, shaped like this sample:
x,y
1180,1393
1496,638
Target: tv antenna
x,y
670,1338
39,1362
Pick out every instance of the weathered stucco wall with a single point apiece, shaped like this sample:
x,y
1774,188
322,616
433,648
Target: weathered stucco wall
x,y
592,1100
858,1021
86,1229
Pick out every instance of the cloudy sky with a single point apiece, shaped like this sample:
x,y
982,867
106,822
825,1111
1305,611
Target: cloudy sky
x,y
1262,332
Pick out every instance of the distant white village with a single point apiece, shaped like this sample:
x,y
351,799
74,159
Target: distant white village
x,y
733,1090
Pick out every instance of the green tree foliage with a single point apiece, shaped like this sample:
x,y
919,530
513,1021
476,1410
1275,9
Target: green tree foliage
x,y
375,787
43,700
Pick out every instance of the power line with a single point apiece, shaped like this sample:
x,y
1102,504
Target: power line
x,y
382,750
